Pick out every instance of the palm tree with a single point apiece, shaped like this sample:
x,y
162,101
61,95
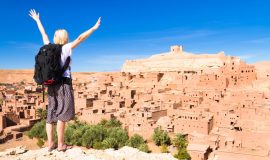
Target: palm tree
x,y
42,114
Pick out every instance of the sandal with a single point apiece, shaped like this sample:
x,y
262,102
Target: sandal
x,y
53,147
65,147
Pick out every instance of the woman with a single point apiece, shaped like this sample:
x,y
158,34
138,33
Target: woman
x,y
61,95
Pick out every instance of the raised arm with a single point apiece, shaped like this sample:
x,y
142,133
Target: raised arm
x,y
85,34
35,16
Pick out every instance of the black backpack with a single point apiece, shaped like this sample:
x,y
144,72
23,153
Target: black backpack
x,y
48,70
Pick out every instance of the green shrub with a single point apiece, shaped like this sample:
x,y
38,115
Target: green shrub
x,y
161,137
164,148
1,102
38,131
113,122
68,134
107,134
40,142
103,122
110,143
98,145
82,134
93,134
181,143
76,138
135,141
182,154
144,148
119,134
74,133
22,82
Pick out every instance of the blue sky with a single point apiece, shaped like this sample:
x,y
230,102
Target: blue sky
x,y
132,29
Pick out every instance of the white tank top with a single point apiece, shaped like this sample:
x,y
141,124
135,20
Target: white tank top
x,y
66,51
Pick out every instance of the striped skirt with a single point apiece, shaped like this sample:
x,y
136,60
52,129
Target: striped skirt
x,y
61,103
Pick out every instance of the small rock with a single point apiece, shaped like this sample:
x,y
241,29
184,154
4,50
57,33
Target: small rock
x,y
15,151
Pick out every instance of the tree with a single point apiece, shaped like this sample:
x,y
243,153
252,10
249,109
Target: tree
x,y
135,141
41,113
182,154
181,143
161,137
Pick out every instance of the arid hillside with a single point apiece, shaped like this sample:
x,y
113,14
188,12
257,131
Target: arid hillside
x,y
15,76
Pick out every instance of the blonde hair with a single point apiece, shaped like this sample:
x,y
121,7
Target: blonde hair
x,y
60,36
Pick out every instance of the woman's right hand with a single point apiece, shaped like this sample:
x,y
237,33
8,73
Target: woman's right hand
x,y
34,15
95,27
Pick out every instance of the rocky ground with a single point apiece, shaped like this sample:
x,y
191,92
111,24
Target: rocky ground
x,y
125,153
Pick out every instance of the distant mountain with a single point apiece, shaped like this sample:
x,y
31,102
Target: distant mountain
x,y
14,76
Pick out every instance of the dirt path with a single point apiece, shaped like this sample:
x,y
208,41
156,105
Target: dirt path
x,y
25,141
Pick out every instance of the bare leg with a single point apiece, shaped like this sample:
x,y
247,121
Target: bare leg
x,y
60,133
49,130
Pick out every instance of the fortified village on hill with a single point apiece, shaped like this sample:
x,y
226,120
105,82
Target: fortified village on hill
x,y
219,103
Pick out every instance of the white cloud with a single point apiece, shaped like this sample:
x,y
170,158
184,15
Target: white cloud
x,y
112,62
23,45
247,56
114,58
11,42
259,40
173,35
28,46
